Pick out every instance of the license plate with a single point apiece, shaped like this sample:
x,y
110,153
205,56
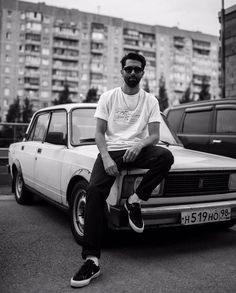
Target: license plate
x,y
201,216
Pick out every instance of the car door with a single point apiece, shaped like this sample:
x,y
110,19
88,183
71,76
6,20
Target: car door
x,y
50,155
223,140
196,128
28,148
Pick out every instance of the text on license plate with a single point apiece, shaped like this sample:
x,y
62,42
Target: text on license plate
x,y
205,216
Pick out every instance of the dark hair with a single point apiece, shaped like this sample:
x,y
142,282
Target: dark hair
x,y
133,56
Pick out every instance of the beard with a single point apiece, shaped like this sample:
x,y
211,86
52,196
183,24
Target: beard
x,y
132,81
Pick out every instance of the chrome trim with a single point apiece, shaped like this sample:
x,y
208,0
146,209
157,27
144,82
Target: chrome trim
x,y
182,208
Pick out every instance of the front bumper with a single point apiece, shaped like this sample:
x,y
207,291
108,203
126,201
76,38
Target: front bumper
x,y
163,215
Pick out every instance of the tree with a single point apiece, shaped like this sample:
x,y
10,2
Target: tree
x,y
204,93
14,111
163,98
91,96
64,96
27,111
186,98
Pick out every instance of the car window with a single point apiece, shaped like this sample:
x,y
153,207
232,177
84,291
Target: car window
x,y
39,128
58,124
197,122
83,125
226,121
174,117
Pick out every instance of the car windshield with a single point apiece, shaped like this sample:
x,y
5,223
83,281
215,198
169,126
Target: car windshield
x,y
84,125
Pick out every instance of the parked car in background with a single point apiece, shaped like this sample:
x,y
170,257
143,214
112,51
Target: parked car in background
x,y
208,126
56,158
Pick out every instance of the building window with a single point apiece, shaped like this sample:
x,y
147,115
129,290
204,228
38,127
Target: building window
x,y
8,47
9,12
44,95
46,19
45,83
7,80
9,25
7,69
8,58
45,51
22,27
5,103
45,61
20,93
8,36
6,92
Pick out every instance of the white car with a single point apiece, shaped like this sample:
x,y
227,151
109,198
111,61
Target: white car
x,y
56,158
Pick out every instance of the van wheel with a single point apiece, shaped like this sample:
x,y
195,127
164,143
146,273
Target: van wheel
x,y
22,194
77,209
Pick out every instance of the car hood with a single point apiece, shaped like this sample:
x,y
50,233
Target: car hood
x,y
196,161
184,159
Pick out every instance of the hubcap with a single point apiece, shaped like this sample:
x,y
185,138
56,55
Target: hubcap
x,y
79,209
19,185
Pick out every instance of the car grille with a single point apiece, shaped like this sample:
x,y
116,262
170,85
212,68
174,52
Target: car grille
x,y
177,184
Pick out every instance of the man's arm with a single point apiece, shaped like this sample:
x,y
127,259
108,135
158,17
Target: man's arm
x,y
153,138
109,165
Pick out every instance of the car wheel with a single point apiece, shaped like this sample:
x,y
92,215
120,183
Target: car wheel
x,y
22,195
77,209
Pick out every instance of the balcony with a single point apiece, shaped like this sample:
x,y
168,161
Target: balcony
x,y
31,86
65,66
62,45
65,57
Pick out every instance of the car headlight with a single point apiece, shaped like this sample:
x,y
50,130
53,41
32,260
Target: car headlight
x,y
232,182
131,183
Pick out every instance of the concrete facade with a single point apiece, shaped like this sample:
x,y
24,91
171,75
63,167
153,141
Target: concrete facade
x,y
43,47
230,52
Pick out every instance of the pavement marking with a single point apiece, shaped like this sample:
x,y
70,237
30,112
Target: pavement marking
x,y
6,197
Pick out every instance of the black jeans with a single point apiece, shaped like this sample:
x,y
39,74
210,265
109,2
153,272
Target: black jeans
x,y
155,158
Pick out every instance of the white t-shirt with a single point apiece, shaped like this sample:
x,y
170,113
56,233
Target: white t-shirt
x,y
127,117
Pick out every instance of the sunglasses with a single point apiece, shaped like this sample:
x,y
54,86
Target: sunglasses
x,y
136,69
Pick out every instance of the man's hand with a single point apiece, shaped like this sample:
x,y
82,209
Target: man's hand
x,y
132,153
110,166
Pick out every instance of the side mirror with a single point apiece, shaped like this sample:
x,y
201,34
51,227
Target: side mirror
x,y
55,138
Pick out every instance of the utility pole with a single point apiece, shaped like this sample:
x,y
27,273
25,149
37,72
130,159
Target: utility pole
x,y
222,50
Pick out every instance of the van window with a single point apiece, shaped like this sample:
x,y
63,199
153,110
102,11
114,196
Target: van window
x,y
226,121
174,118
197,122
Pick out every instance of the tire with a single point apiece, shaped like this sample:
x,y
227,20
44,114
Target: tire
x,y
77,209
22,194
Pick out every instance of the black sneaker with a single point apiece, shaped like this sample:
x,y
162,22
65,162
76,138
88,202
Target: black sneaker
x,y
86,273
135,216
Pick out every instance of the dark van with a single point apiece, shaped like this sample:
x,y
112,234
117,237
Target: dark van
x,y
208,126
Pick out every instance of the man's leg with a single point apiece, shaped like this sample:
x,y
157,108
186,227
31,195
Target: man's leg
x,y
97,193
158,160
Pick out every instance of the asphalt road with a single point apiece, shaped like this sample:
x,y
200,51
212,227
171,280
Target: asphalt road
x,y
38,254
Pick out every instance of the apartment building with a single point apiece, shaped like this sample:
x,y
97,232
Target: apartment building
x,y
43,47
230,52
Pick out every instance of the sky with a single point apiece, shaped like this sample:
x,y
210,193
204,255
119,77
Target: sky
x,y
194,15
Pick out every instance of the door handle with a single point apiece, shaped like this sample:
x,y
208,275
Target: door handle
x,y
39,150
216,141
22,148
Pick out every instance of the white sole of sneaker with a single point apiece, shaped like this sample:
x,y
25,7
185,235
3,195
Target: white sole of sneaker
x,y
135,228
78,284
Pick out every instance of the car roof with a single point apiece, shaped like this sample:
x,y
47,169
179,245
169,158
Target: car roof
x,y
68,107
204,103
